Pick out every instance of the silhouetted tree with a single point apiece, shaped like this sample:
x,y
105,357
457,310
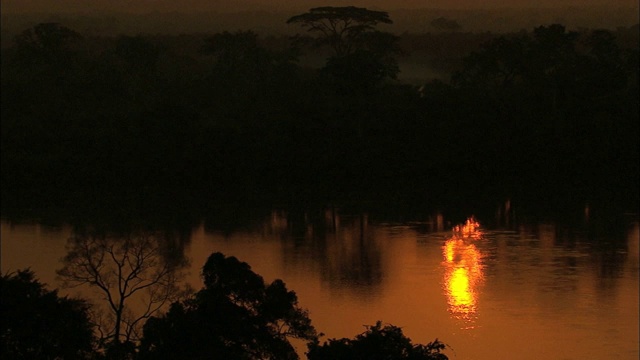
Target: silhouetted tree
x,y
123,269
235,316
361,54
39,324
341,28
377,343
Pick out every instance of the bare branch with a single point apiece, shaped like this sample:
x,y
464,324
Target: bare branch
x,y
123,270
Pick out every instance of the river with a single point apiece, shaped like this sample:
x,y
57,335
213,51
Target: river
x,y
488,289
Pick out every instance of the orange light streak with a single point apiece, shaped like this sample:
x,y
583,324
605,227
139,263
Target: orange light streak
x,y
463,271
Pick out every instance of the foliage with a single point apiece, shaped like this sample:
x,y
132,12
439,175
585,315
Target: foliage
x,y
548,60
242,72
236,315
368,66
377,343
39,324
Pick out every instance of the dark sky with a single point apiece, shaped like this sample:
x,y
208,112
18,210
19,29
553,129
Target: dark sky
x,y
13,6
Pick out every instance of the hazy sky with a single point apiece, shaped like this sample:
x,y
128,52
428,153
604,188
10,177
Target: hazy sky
x,y
12,6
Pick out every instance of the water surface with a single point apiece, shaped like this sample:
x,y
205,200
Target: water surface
x,y
506,291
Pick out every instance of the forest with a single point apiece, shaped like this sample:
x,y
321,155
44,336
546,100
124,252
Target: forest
x,y
235,117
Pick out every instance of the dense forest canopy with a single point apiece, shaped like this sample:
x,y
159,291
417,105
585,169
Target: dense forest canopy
x,y
238,115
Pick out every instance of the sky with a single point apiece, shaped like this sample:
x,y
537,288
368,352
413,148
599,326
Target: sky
x,y
65,6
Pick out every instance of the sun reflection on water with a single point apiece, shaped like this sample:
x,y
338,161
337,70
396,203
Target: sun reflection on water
x,y
463,272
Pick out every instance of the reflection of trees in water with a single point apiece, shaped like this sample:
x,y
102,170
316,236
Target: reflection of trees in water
x,y
342,249
605,248
553,256
352,256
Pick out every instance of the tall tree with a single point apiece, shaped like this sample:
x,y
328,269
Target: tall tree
x,y
123,270
362,55
341,28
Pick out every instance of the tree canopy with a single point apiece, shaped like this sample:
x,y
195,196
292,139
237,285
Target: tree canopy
x,y
378,342
362,55
342,28
39,324
235,316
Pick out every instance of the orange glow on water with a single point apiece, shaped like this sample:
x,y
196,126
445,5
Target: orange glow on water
x,y
463,272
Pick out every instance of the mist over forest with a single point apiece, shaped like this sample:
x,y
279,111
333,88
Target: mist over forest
x,y
267,18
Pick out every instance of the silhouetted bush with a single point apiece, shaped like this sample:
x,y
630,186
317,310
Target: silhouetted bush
x,y
377,343
39,324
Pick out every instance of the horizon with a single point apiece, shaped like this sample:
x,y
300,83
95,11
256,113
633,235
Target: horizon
x,y
189,6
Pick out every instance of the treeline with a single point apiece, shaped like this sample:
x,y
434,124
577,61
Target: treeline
x,y
230,117
114,19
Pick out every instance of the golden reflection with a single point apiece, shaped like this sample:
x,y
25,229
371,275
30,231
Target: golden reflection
x,y
463,271
470,229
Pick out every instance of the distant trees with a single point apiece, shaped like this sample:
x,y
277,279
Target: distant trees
x,y
234,115
39,324
124,270
47,43
370,65
377,343
246,77
138,53
235,316
444,24
558,91
361,53
551,58
344,29
556,68
499,63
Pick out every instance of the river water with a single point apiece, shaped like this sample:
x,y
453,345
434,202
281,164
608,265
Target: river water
x,y
487,289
